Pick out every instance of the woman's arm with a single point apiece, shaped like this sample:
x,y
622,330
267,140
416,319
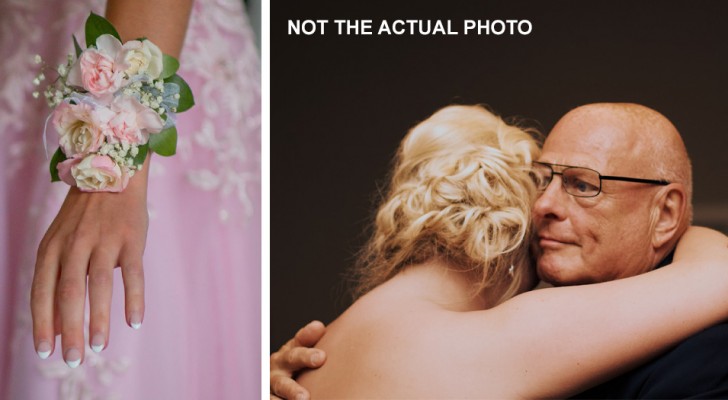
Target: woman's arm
x,y
95,232
557,342
164,22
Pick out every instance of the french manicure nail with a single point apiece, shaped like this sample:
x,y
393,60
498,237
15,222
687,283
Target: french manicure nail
x,y
135,320
73,358
97,343
43,350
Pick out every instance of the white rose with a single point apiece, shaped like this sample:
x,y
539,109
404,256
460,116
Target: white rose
x,y
99,174
143,57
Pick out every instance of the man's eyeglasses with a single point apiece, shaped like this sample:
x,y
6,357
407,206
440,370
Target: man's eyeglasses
x,y
579,181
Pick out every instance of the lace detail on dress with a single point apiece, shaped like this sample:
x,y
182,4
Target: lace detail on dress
x,y
227,73
78,383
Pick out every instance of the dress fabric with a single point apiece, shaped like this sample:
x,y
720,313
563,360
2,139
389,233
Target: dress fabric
x,y
201,333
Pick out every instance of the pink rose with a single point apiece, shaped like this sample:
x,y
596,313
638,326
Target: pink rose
x,y
101,70
94,173
133,121
80,127
64,170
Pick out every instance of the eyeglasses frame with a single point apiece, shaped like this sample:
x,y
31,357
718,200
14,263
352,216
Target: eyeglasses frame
x,y
551,166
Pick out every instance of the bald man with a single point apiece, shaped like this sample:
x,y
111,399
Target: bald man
x,y
626,226
593,229
616,186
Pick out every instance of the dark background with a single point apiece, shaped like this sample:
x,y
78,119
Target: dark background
x,y
341,104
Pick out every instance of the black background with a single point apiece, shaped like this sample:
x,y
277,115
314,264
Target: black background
x,y
341,104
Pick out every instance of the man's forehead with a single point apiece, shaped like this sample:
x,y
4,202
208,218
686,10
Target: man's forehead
x,y
572,160
575,154
598,146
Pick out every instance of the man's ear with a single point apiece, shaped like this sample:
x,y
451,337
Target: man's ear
x,y
668,214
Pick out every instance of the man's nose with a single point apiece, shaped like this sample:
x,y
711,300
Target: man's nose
x,y
551,202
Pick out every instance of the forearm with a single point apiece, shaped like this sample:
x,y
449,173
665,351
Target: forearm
x,y
592,332
164,22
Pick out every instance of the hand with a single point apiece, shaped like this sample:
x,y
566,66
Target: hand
x,y
294,356
92,234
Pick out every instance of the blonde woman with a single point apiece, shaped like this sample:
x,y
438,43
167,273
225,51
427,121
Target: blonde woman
x,y
436,316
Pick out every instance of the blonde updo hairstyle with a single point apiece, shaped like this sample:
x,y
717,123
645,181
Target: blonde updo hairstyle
x,y
460,190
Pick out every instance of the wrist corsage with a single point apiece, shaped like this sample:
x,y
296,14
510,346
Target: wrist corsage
x,y
112,103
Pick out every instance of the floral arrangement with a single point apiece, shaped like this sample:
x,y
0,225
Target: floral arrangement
x,y
112,103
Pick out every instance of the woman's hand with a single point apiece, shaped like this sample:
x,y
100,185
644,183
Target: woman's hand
x,y
92,234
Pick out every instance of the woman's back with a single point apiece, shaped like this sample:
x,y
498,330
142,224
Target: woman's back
x,y
397,341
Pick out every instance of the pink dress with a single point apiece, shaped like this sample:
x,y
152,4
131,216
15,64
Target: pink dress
x,y
201,334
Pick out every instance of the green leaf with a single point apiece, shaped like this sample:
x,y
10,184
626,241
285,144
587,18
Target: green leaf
x,y
96,26
186,100
76,46
170,66
142,155
164,143
58,157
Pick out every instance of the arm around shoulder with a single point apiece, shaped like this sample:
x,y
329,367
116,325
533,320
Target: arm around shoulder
x,y
560,341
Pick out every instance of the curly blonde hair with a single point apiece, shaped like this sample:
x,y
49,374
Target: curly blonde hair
x,y
460,189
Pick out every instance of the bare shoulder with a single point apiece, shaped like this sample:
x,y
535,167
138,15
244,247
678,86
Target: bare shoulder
x,y
366,348
383,349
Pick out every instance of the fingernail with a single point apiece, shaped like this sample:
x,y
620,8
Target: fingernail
x,y
317,357
97,343
43,350
135,320
301,396
73,358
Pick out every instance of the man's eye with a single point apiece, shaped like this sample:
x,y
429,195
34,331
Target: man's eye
x,y
583,186
579,185
540,179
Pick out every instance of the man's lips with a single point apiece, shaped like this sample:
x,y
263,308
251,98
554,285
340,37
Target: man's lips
x,y
550,242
